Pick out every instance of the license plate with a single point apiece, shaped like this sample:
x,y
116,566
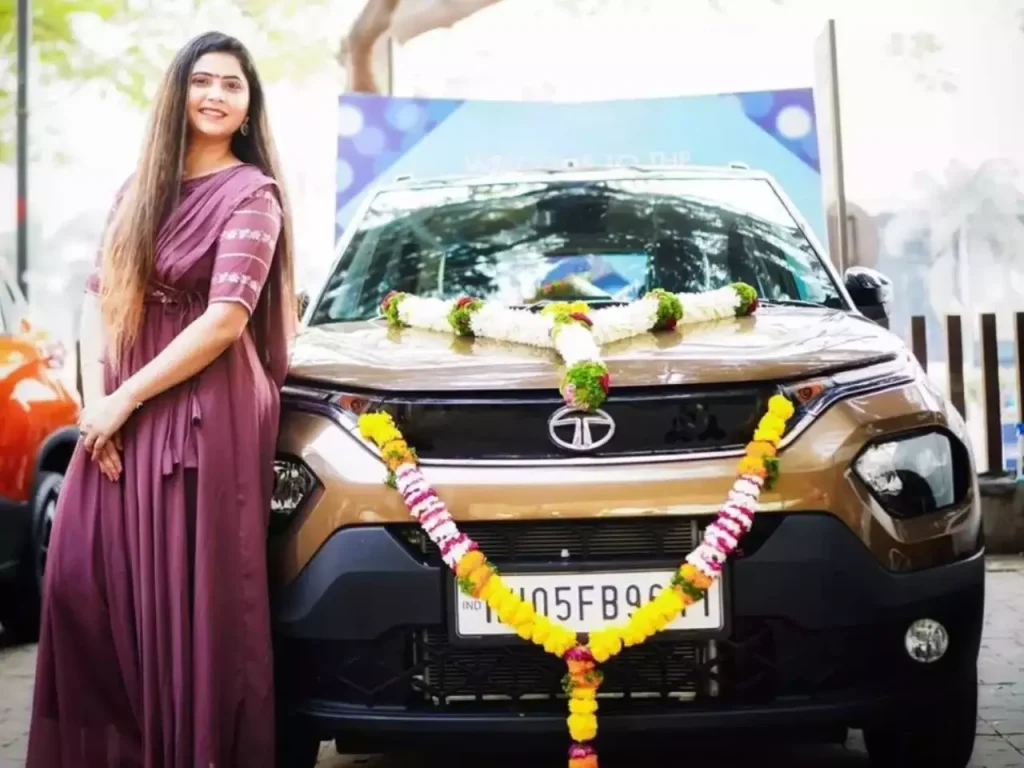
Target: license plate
x,y
585,602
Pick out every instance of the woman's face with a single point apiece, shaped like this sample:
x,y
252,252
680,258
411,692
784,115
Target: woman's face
x,y
218,96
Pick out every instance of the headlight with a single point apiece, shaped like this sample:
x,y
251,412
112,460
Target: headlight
x,y
294,483
915,474
813,396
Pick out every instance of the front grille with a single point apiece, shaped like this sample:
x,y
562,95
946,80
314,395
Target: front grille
x,y
669,421
521,671
629,540
638,539
762,661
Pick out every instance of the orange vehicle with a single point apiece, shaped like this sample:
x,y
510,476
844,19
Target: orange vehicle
x,y
38,432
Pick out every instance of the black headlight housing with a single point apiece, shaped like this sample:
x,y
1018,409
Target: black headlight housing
x,y
294,486
916,473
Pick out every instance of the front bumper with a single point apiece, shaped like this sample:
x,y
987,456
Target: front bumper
x,y
815,637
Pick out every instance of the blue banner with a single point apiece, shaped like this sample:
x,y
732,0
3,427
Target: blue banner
x,y
380,138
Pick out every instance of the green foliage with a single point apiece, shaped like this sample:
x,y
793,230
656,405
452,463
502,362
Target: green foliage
x,y
461,315
585,385
57,53
283,35
670,309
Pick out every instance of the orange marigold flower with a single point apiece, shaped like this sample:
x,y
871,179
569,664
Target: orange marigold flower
x,y
751,465
478,579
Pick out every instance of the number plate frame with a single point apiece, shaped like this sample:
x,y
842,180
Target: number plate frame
x,y
451,596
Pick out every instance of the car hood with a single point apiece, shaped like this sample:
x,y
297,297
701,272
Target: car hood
x,y
776,343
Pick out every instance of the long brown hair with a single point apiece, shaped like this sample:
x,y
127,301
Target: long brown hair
x,y
129,249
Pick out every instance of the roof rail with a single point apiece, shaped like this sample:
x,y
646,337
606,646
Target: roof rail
x,y
736,165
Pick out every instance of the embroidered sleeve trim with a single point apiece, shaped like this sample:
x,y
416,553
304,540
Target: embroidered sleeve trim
x,y
258,235
237,278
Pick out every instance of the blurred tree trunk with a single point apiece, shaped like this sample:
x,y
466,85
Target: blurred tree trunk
x,y
402,20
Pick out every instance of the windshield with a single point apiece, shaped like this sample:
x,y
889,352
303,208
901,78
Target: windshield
x,y
601,241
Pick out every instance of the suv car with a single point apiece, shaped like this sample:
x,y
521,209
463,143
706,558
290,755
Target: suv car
x,y
856,599
38,432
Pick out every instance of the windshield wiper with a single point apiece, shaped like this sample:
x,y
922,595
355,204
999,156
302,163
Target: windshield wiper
x,y
791,303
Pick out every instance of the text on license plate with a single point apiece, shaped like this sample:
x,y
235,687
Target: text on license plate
x,y
587,601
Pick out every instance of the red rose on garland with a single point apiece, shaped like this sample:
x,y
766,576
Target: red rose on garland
x,y
387,300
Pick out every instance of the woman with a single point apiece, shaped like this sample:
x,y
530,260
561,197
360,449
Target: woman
x,y
155,641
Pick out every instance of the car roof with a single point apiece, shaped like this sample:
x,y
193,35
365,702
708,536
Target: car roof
x,y
572,173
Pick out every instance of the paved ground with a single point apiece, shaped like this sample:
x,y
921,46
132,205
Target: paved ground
x,y
1000,727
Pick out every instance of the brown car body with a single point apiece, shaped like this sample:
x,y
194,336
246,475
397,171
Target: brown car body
x,y
827,555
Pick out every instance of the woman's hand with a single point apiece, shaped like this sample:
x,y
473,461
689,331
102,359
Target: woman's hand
x,y
100,421
109,459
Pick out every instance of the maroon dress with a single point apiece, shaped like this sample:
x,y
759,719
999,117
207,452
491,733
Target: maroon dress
x,y
155,644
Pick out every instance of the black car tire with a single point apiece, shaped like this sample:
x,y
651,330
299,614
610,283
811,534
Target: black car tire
x,y
21,619
937,738
296,746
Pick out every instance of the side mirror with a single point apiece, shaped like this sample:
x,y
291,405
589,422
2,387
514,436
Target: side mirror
x,y
302,302
872,293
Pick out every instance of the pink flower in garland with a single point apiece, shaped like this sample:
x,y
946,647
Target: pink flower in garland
x,y
606,383
582,318
463,301
570,396
387,300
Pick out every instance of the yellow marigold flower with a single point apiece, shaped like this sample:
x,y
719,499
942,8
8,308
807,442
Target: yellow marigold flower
x,y
780,406
669,604
469,563
632,636
659,621
373,425
561,641
541,629
688,571
605,643
767,436
525,630
524,614
760,449
582,727
583,706
487,588
508,608
584,694
642,624
498,596
772,423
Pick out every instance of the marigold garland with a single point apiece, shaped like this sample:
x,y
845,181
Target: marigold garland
x,y
573,328
478,578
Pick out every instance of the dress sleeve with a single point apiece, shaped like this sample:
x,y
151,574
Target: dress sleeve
x,y
245,250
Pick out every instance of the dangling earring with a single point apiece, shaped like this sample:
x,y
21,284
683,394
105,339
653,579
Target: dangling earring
x,y
244,130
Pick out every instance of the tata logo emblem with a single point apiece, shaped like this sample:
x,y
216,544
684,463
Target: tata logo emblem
x,y
580,431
